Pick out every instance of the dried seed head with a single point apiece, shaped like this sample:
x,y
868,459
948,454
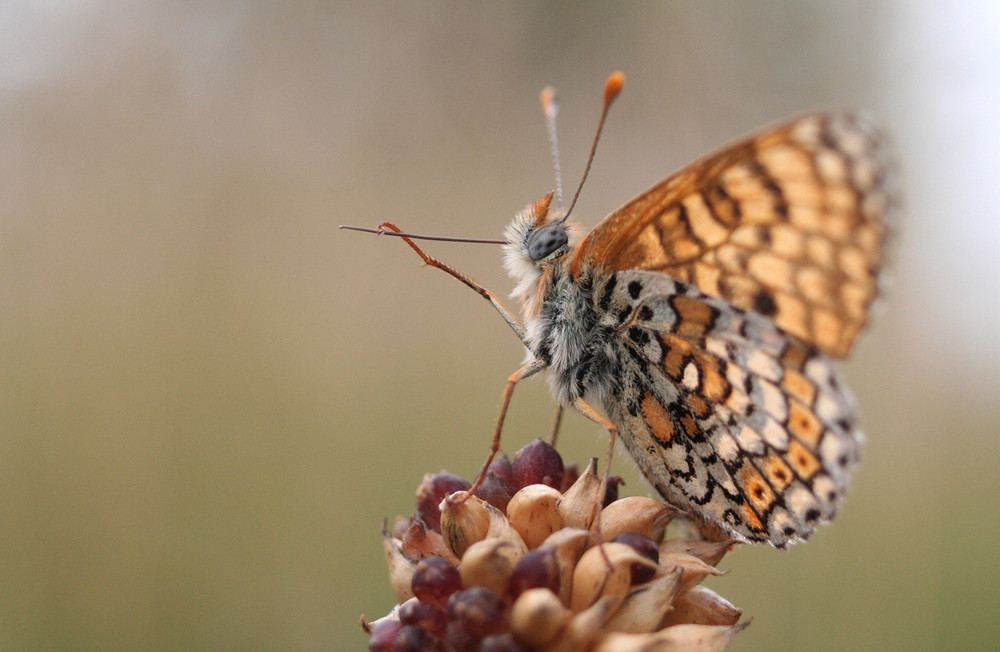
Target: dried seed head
x,y
529,577
694,569
678,637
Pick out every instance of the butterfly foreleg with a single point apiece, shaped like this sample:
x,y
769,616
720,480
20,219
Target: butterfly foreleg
x,y
512,321
526,371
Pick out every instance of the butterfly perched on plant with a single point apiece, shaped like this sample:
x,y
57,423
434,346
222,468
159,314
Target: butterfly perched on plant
x,y
697,323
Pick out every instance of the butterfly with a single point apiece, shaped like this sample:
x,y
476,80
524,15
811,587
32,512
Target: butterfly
x,y
698,322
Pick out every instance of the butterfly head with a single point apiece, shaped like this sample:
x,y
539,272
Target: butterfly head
x,y
537,238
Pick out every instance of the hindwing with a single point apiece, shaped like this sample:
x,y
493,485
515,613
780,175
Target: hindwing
x,y
725,413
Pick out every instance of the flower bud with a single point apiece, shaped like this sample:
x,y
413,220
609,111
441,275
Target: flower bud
x,y
537,463
435,580
539,569
482,611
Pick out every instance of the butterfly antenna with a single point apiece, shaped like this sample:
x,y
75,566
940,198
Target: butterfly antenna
x,y
550,105
611,90
381,230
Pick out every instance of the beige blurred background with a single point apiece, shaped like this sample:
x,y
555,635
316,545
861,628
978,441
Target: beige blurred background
x,y
211,397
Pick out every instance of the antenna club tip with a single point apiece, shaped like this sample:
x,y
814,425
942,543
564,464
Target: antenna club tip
x,y
613,86
548,99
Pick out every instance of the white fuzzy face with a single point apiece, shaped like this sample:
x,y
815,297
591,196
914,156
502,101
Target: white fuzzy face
x,y
535,241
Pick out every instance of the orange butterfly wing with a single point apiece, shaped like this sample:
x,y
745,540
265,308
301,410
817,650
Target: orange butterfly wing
x,y
788,223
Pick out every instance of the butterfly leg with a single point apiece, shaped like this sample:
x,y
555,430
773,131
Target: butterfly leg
x,y
526,371
587,410
555,425
507,315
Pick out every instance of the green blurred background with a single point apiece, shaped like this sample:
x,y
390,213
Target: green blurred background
x,y
211,397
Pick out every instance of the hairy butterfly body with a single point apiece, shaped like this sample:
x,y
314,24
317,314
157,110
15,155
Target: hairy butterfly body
x,y
703,315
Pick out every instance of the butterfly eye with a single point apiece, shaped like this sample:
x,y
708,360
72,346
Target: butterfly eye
x,y
547,239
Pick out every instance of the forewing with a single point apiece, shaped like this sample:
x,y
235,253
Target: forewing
x,y
789,224
725,414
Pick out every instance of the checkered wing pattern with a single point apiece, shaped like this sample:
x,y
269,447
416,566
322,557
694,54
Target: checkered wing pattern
x,y
725,414
788,224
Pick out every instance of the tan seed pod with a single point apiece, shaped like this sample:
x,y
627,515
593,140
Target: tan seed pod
x,y
570,544
702,606
578,503
534,513
637,514
418,542
680,638
401,567
463,523
592,579
694,569
585,627
501,528
537,616
645,605
710,552
488,563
